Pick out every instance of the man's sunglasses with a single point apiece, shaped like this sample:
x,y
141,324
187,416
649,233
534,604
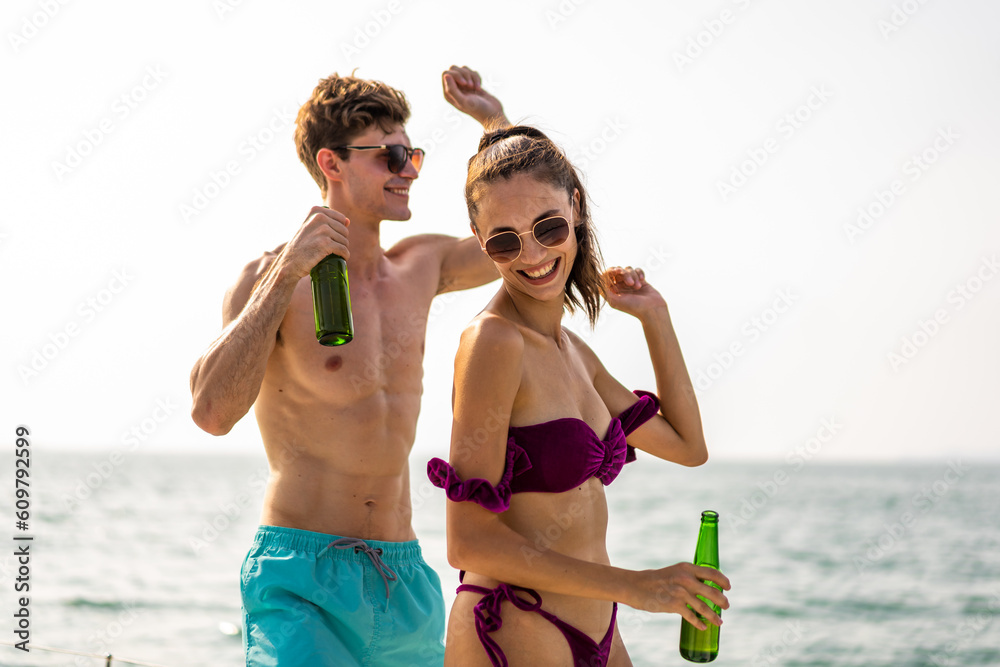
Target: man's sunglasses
x,y
505,247
398,155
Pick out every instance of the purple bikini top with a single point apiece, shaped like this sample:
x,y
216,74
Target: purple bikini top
x,y
551,457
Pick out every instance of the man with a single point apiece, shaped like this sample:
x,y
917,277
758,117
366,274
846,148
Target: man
x,y
335,575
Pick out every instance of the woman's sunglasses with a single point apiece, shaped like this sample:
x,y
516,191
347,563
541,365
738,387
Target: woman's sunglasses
x,y
398,155
505,247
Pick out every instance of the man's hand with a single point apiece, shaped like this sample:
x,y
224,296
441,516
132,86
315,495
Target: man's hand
x,y
323,233
463,89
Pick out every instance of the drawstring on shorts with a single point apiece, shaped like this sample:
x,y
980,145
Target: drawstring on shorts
x,y
374,555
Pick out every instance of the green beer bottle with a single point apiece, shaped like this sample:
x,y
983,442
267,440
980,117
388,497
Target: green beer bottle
x,y
703,645
332,301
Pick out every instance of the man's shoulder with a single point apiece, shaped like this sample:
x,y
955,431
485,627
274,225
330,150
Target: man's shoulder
x,y
422,244
259,265
239,292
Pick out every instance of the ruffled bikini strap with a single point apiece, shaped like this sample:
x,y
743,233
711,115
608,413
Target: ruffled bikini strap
x,y
639,412
478,490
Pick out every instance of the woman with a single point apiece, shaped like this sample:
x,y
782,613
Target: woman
x,y
540,427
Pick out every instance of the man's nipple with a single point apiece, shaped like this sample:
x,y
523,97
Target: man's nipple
x,y
334,363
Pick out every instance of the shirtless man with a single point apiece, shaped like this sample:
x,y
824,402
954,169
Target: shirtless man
x,y
335,575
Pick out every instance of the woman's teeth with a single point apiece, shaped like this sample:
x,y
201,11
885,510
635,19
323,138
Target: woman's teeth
x,y
542,271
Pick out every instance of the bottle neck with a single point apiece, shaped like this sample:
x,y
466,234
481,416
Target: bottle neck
x,y
707,551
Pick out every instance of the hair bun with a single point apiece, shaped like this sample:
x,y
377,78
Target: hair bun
x,y
494,136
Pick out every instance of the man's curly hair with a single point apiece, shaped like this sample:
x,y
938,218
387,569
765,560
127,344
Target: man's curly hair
x,y
341,108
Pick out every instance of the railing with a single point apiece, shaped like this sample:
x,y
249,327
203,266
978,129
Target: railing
x,y
109,659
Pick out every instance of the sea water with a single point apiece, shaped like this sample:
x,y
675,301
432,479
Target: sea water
x,y
888,564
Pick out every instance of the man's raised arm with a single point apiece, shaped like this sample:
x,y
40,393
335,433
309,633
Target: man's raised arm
x,y
463,263
463,88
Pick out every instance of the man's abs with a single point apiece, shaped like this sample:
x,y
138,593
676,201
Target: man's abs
x,y
339,469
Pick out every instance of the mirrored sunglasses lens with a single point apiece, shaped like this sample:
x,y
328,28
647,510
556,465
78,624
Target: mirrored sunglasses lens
x,y
504,247
552,231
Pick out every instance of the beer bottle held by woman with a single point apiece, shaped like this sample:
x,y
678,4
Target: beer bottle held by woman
x,y
703,645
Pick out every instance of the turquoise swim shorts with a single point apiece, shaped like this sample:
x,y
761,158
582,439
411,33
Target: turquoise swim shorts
x,y
323,600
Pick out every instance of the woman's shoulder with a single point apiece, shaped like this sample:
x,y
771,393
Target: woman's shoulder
x,y
582,350
490,333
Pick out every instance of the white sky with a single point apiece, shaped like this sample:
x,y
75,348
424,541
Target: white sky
x,y
205,88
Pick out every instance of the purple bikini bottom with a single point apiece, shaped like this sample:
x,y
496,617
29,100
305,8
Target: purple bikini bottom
x,y
586,652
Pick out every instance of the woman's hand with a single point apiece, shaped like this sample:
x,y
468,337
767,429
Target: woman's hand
x,y
626,289
672,589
